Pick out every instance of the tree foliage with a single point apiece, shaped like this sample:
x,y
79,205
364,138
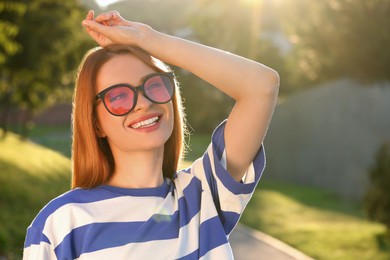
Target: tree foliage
x,y
338,38
235,26
377,199
205,106
8,28
41,43
50,44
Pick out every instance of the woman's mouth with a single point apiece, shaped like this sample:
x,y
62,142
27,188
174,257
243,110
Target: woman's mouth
x,y
146,123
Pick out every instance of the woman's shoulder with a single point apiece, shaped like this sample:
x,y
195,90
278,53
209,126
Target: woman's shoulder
x,y
68,200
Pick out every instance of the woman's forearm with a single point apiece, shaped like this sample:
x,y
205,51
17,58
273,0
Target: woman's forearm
x,y
234,75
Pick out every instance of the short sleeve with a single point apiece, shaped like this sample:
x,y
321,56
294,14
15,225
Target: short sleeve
x,y
37,246
230,197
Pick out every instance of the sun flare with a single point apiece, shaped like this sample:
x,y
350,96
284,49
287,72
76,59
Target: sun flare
x,y
252,2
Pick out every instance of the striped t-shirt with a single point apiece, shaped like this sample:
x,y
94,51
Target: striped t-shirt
x,y
190,217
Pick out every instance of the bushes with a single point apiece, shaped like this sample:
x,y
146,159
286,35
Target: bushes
x,y
377,199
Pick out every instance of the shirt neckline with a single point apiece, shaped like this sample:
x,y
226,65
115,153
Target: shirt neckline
x,y
160,191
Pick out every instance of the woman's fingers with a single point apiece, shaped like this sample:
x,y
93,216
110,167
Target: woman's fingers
x,y
90,15
103,17
110,27
94,26
100,33
94,35
110,18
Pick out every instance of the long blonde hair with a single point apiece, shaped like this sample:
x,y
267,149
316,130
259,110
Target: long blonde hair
x,y
92,160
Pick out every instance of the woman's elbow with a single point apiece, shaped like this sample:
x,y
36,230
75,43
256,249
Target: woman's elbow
x,y
268,82
272,82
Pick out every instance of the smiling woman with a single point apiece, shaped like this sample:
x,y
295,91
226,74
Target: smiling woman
x,y
129,199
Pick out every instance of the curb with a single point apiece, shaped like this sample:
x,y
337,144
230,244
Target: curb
x,y
273,242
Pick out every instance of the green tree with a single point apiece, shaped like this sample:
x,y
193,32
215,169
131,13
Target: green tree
x,y
338,38
52,43
235,26
205,106
230,25
377,199
10,12
8,28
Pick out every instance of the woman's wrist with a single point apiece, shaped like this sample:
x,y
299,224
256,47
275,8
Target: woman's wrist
x,y
154,42
146,35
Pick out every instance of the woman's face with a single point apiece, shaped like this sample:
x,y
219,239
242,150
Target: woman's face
x,y
148,126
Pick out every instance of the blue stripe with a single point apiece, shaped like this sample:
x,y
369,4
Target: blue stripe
x,y
218,143
186,170
259,162
237,187
229,220
190,203
211,181
97,236
208,239
160,191
73,196
35,236
189,206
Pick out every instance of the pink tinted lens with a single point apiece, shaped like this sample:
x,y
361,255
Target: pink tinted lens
x,y
119,100
159,88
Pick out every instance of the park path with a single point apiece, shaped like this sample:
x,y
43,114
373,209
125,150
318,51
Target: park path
x,y
249,244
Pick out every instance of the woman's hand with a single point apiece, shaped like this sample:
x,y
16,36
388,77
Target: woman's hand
x,y
252,85
110,28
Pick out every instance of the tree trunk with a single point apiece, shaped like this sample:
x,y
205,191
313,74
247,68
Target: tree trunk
x,y
4,114
25,124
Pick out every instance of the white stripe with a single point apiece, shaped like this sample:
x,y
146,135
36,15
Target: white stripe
x,y
41,251
222,252
250,175
208,210
74,215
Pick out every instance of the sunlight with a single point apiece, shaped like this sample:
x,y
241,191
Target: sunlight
x,y
252,2
255,27
104,3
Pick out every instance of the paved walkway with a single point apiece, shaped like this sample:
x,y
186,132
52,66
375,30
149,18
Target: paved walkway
x,y
249,244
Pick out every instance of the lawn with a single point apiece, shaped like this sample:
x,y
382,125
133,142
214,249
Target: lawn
x,y
314,221
30,176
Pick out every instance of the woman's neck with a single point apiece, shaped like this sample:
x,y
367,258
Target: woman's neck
x,y
138,169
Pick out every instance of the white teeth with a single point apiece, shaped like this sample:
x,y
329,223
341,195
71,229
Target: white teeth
x,y
146,123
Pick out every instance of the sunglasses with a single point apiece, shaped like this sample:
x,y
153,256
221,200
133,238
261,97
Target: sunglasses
x,y
120,99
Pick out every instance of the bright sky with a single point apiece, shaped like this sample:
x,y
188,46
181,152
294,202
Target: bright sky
x,y
105,3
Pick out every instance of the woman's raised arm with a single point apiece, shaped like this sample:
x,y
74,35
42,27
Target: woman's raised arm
x,y
252,85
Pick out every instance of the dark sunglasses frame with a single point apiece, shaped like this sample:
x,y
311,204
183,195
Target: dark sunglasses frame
x,y
136,90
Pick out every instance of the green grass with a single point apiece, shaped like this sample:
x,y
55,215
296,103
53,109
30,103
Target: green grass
x,y
54,137
30,176
311,220
315,222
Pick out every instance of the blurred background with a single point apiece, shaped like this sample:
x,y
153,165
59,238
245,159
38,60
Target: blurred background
x,y
326,188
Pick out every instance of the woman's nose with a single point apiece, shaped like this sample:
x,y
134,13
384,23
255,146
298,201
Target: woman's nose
x,y
142,102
